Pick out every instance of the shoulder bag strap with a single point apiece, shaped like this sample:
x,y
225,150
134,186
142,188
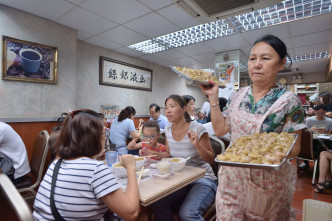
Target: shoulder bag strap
x,y
55,212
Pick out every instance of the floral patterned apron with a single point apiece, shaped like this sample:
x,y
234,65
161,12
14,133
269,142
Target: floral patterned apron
x,y
253,194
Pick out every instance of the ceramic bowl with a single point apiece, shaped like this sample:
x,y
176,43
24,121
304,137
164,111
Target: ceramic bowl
x,y
119,170
177,163
163,167
139,162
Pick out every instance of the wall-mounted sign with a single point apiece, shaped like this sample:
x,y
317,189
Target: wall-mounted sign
x,y
120,74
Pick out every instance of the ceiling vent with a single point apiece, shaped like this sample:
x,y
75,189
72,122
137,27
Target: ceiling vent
x,y
212,10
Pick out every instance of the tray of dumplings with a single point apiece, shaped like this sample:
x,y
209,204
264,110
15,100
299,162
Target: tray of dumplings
x,y
197,76
259,151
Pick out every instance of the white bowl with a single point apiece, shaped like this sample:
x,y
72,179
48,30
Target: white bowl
x,y
119,170
163,167
145,173
177,163
139,162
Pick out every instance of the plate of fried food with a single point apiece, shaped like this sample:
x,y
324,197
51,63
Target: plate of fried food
x,y
260,151
197,76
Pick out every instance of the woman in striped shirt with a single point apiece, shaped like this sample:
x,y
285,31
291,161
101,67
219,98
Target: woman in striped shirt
x,y
85,188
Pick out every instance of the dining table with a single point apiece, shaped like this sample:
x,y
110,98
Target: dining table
x,y
153,188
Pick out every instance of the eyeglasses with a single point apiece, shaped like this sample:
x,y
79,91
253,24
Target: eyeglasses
x,y
151,136
318,113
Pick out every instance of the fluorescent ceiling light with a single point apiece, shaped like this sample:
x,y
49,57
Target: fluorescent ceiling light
x,y
308,57
286,11
184,37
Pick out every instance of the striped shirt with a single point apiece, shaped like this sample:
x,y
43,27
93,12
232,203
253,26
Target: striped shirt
x,y
80,185
184,148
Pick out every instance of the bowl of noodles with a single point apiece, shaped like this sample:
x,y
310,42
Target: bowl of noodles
x,y
177,163
139,162
119,170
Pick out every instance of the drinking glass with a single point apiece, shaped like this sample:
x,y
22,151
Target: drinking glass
x,y
111,157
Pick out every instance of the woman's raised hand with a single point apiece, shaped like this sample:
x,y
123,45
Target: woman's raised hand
x,y
211,89
128,161
193,137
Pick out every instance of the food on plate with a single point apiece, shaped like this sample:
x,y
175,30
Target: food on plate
x,y
139,158
200,75
265,148
174,160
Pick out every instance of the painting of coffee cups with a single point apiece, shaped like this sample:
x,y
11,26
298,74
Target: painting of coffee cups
x,y
28,61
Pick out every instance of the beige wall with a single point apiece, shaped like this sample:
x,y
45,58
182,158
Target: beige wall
x,y
78,74
37,100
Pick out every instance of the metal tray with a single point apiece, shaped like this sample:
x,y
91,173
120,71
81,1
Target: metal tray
x,y
258,166
190,79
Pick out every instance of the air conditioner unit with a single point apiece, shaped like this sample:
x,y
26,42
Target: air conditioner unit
x,y
207,11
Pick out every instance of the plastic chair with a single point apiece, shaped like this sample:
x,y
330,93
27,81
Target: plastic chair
x,y
307,151
218,147
37,163
12,204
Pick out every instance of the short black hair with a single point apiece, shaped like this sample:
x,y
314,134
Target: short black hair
x,y
155,106
319,106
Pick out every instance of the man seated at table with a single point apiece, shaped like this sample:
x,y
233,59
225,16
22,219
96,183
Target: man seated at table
x,y
13,154
318,124
155,114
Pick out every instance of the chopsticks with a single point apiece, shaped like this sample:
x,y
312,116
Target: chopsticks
x,y
150,156
140,175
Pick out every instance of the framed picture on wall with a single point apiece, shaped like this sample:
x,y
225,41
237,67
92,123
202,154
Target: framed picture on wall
x,y
28,61
120,74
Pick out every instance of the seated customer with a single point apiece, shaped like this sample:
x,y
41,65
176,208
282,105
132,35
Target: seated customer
x,y
190,106
14,153
155,114
187,138
122,127
85,188
319,123
150,145
325,178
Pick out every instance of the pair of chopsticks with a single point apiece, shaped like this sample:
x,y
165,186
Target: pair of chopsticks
x,y
140,175
149,156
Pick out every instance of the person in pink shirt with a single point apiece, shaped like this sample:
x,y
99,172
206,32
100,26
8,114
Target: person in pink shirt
x,y
149,145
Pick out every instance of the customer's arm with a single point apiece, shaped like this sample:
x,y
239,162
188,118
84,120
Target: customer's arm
x,y
137,134
125,204
203,146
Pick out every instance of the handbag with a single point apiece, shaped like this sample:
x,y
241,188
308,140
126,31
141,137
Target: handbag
x,y
54,210
60,121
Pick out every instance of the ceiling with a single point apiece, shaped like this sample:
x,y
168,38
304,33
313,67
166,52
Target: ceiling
x,y
115,24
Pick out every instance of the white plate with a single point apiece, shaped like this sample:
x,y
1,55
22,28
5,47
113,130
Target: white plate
x,y
163,176
153,165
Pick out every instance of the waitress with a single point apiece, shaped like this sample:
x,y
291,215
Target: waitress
x,y
122,127
264,106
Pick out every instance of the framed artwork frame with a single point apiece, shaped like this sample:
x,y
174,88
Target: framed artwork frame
x,y
28,61
121,74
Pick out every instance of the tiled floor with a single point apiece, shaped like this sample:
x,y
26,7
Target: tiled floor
x,y
304,190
